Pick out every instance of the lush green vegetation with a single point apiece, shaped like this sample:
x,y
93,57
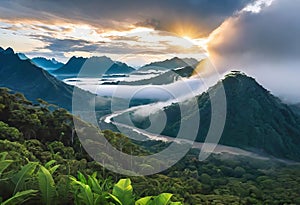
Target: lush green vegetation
x,y
34,183
42,162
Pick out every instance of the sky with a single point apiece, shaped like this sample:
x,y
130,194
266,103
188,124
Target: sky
x,y
133,31
259,37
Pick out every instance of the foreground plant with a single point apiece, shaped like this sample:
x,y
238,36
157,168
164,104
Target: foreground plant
x,y
88,191
46,182
29,176
18,197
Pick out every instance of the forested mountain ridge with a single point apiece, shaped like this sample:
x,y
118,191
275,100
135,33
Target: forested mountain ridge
x,y
255,120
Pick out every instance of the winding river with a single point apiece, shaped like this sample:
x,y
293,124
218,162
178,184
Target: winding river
x,y
108,119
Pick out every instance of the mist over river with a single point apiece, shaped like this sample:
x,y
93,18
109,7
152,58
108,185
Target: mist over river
x,y
175,90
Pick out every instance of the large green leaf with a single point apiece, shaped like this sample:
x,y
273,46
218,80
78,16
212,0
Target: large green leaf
x,y
24,174
20,197
143,201
162,199
47,186
123,191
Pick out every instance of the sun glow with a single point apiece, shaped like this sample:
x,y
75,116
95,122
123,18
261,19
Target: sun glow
x,y
201,42
187,38
185,29
93,41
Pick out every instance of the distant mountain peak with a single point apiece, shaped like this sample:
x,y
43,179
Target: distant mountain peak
x,y
47,64
236,73
75,58
1,49
9,50
174,58
92,57
53,60
94,66
22,56
171,63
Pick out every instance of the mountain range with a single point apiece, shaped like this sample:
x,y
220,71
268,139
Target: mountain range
x,y
172,74
162,72
168,77
170,64
256,120
47,64
92,67
34,82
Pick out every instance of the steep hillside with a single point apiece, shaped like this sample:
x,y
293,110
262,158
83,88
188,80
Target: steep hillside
x,y
25,77
255,120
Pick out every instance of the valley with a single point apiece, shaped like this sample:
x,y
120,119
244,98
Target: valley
x,y
129,109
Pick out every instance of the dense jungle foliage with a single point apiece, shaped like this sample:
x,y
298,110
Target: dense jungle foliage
x,y
42,162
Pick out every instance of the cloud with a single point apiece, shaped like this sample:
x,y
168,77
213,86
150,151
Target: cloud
x,y
124,38
265,45
121,43
205,15
69,45
152,23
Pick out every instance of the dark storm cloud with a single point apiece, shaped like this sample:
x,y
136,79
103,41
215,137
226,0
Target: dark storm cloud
x,y
162,15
